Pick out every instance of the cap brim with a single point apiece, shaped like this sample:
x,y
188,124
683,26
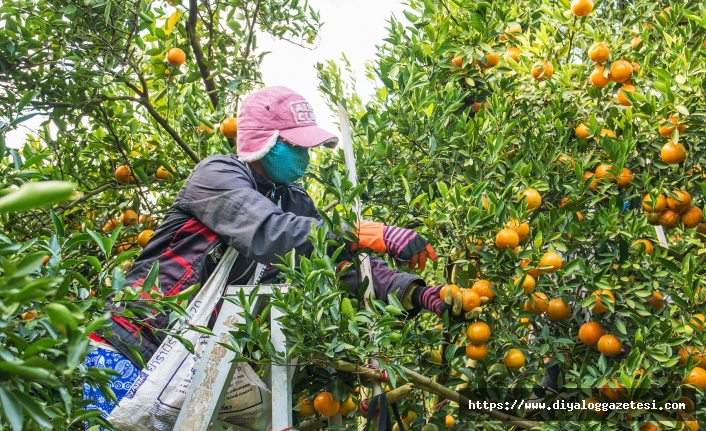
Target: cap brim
x,y
309,136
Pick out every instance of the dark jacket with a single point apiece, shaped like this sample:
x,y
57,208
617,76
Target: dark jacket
x,y
224,203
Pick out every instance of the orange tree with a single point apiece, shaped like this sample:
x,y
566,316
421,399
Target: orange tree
x,y
579,126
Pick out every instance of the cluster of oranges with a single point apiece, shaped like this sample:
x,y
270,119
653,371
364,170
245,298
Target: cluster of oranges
x,y
129,218
125,175
671,211
326,405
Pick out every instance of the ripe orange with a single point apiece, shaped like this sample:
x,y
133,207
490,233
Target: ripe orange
x,y
598,77
534,272
621,70
128,218
454,289
598,52
123,175
591,332
687,423
582,131
540,305
522,229
698,320
482,288
635,42
673,153
607,132
528,285
669,219
595,401
476,351
144,237
449,421
621,96
625,178
605,171
29,315
581,7
579,216
542,70
658,207
600,307
611,393
126,245
551,262
648,245
534,199
609,345
511,28
205,128
163,174
566,160
692,216
513,52
478,332
656,300
470,299
688,404
697,377
326,405
558,310
679,203
307,408
457,61
111,224
514,359
347,406
507,238
491,60
229,127
594,183
176,57
667,127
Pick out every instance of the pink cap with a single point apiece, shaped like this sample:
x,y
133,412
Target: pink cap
x,y
274,113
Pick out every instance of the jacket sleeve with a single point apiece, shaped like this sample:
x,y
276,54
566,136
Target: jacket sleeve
x,y
387,281
221,194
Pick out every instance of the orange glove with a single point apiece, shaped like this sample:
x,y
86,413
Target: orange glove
x,y
400,243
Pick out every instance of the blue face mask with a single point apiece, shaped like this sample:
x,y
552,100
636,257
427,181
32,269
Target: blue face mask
x,y
285,163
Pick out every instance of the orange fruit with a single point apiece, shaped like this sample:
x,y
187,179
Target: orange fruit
x,y
697,377
454,289
522,229
507,238
457,61
476,351
612,393
566,160
176,57
635,42
582,131
534,272
111,224
326,405
692,216
667,127
511,28
625,178
609,345
558,310
127,245
621,70
669,219
514,359
594,183
656,300
205,128
123,175
542,70
600,307
347,406
673,153
491,60
528,285
688,404
411,417
534,199
434,356
29,315
478,332
307,408
449,421
540,305
581,7
144,237
128,218
680,202
163,174
698,320
688,423
621,95
513,52
482,288
607,132
591,332
551,262
579,216
648,245
598,77
658,207
598,52
595,401
470,299
604,171
229,127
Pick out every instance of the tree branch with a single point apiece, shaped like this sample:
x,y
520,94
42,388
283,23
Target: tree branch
x,y
165,125
86,196
198,53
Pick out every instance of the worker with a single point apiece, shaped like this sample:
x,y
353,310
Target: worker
x,y
251,202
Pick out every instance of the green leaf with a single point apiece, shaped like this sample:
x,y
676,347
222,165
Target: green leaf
x,y
151,277
37,194
11,408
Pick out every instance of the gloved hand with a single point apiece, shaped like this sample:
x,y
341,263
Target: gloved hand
x,y
400,243
429,297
